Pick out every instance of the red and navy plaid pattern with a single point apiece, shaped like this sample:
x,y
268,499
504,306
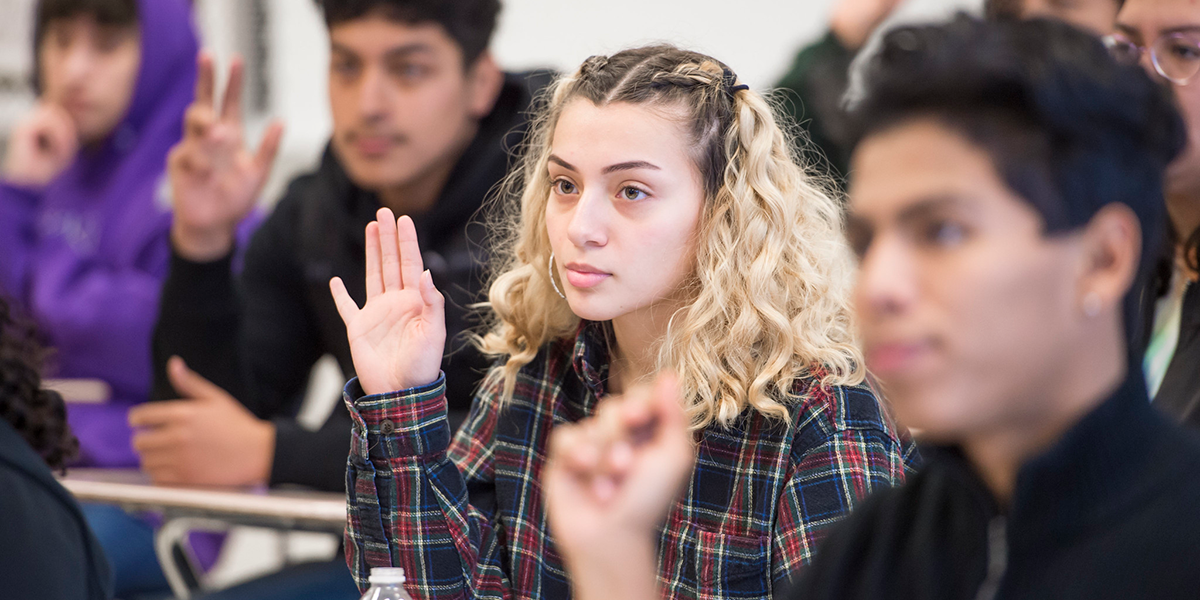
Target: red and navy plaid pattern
x,y
465,519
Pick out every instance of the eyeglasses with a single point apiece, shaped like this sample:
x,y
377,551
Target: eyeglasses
x,y
1175,56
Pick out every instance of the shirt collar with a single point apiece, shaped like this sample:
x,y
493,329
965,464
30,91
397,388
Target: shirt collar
x,y
590,356
1093,468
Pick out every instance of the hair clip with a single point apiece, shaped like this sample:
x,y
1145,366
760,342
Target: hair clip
x,y
730,85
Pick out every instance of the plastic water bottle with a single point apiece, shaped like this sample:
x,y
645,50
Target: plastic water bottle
x,y
387,583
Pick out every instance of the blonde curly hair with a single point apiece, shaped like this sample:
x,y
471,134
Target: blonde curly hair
x,y
770,292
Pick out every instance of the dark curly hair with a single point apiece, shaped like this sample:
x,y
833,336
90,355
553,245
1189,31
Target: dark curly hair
x,y
39,415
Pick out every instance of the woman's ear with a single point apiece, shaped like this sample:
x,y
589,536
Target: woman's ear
x,y
484,81
1112,251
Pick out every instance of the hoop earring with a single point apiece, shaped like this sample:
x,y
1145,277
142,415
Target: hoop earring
x,y
550,272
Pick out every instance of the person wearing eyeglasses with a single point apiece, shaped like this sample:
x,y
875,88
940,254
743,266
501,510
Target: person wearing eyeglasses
x,y
1164,37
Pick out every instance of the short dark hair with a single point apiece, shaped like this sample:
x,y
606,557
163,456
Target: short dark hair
x,y
1011,9
110,13
1069,129
116,13
470,23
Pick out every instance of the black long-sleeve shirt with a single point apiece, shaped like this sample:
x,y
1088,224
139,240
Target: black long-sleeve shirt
x,y
258,334
1109,511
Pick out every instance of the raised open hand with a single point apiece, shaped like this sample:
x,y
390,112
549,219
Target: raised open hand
x,y
397,337
215,180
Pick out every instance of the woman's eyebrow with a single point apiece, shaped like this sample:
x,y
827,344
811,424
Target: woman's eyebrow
x,y
629,166
562,163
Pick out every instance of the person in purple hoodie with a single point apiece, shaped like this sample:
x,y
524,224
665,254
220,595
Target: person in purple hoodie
x,y
84,220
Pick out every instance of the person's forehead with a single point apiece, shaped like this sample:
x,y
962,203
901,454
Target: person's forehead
x,y
1153,17
913,162
378,34
596,135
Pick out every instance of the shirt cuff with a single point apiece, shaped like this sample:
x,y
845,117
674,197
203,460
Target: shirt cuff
x,y
403,424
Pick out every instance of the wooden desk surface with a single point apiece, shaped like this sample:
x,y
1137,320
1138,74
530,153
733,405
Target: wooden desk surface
x,y
80,391
132,490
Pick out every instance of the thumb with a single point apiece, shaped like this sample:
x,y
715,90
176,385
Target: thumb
x,y
431,296
189,384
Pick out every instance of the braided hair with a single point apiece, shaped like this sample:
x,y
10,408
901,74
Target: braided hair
x,y
769,293
37,414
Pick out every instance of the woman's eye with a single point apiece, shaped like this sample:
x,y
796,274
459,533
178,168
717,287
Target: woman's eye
x,y
564,187
631,193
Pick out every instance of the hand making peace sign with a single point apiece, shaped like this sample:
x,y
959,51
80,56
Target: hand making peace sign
x,y
215,180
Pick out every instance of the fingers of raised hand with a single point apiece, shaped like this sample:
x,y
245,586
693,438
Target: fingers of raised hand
x,y
346,306
431,296
389,251
374,261
411,264
205,80
231,106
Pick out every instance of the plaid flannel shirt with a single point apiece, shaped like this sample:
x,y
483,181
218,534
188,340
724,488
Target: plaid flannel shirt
x,y
465,519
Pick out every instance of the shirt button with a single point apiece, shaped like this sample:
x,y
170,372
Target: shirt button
x,y
387,427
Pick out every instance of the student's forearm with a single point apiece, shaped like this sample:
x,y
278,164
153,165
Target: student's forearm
x,y
624,569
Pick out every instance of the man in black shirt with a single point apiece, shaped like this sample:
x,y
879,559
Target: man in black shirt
x,y
423,119
1005,192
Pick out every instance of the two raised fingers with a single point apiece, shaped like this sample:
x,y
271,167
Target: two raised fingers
x,y
231,104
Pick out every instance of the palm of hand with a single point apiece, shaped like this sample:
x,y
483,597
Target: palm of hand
x,y
389,341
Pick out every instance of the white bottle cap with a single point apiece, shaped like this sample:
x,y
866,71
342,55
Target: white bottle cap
x,y
386,575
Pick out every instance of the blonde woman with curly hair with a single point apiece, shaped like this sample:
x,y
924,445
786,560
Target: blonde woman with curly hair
x,y
659,224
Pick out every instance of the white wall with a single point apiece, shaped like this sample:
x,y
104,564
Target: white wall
x,y
758,38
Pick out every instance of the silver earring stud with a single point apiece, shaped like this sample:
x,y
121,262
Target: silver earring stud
x,y
550,272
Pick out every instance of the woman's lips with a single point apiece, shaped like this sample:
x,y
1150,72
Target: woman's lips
x,y
584,277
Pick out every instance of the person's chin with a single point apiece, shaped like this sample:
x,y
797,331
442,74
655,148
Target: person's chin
x,y
589,308
934,412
